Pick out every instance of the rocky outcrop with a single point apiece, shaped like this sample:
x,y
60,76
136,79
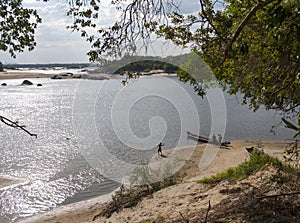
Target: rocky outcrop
x,y
27,82
65,76
94,77
55,77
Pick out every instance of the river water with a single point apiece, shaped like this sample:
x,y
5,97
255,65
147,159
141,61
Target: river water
x,y
81,123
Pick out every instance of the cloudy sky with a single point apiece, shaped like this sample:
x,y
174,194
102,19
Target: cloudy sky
x,y
56,44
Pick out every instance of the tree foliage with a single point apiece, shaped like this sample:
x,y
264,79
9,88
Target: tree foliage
x,y
195,71
17,26
143,64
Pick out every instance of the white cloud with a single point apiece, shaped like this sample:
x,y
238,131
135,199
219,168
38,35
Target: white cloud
x,y
57,44
189,6
54,42
29,1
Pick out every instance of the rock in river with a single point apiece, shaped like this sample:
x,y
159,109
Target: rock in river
x,y
27,82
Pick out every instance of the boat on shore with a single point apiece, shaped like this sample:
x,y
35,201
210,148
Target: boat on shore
x,y
198,138
204,139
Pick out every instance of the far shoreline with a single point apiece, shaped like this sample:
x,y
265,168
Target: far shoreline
x,y
93,76
22,75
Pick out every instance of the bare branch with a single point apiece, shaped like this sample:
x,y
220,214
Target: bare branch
x,y
183,218
257,7
137,23
15,125
210,22
208,209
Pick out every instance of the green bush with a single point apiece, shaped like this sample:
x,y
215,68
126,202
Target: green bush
x,y
257,161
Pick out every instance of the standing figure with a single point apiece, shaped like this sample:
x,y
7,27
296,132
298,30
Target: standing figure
x,y
214,139
220,139
159,151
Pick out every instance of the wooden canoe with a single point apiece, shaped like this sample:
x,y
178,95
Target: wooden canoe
x,y
198,138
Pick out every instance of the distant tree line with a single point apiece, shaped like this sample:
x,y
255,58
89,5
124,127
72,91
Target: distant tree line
x,y
43,66
143,64
147,66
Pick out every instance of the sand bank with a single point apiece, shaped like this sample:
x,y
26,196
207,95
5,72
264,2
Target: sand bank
x,y
10,181
171,201
92,76
4,182
22,75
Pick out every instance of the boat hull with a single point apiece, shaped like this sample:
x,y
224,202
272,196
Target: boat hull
x,y
198,138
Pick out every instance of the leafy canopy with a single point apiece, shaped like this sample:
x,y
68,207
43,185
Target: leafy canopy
x,y
17,26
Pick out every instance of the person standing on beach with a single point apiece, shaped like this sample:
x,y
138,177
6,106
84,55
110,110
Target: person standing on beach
x,y
214,139
159,151
220,139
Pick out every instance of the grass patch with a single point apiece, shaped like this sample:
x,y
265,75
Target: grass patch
x,y
159,219
257,161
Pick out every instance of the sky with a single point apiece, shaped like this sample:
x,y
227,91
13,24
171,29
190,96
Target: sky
x,y
56,44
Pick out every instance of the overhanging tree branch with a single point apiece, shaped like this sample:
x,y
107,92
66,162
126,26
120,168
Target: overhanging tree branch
x,y
15,125
209,21
257,7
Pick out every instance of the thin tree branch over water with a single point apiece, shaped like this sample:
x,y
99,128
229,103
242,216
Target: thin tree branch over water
x,y
16,125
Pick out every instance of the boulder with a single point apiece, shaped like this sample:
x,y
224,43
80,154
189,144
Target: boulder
x,y
39,85
3,84
1,67
56,77
66,74
27,82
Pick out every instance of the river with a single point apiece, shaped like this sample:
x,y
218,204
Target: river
x,y
81,123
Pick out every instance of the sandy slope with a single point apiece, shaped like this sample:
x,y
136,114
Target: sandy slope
x,y
172,202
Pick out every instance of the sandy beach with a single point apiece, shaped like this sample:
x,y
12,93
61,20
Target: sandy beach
x,y
22,75
30,75
4,182
180,198
10,181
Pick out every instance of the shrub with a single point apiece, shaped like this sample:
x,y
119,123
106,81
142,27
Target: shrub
x,y
257,161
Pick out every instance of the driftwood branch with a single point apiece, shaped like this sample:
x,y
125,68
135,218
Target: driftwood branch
x,y
16,125
257,7
208,209
278,195
183,218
